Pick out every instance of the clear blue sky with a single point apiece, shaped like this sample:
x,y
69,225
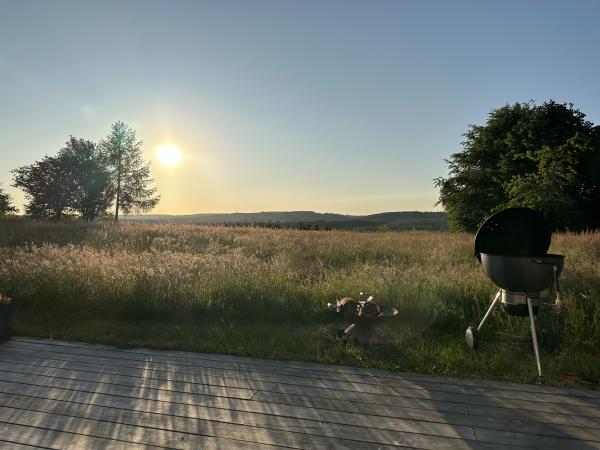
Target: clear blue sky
x,y
338,106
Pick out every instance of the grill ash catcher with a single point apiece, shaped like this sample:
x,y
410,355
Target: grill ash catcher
x,y
512,247
365,315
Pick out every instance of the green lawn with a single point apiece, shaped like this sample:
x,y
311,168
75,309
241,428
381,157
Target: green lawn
x,y
263,293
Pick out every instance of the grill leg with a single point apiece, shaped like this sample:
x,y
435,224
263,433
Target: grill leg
x,y
534,337
489,311
556,288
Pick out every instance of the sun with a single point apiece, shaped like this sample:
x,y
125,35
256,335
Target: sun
x,y
169,155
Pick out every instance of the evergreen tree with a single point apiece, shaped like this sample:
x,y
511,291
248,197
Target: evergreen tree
x,y
130,175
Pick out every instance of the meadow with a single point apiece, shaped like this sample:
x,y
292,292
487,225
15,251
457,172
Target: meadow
x,y
263,293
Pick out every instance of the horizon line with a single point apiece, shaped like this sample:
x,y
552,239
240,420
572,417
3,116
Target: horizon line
x,y
283,211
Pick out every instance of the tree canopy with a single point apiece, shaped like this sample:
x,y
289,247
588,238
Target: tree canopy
x,y
546,157
88,178
47,187
74,182
6,205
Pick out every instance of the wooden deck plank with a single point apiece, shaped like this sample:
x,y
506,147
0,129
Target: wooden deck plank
x,y
191,387
292,411
235,393
323,370
290,433
86,394
216,409
187,439
284,423
409,404
275,382
319,370
339,395
511,439
579,427
209,376
169,430
7,445
102,433
269,421
375,386
460,394
28,434
526,428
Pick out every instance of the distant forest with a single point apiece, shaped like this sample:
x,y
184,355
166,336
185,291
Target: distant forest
x,y
309,220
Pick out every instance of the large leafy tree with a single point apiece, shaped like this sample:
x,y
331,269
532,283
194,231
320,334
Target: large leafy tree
x,y
46,188
6,204
74,182
545,157
88,178
130,175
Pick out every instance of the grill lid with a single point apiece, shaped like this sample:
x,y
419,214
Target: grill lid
x,y
513,232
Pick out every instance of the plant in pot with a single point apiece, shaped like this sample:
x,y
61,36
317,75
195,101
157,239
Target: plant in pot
x,y
5,316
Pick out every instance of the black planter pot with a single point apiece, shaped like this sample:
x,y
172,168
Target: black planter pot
x,y
5,321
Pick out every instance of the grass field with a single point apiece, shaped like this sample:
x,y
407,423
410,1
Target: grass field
x,y
260,292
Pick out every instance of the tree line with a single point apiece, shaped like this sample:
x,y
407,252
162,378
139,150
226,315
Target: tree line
x,y
546,157
85,179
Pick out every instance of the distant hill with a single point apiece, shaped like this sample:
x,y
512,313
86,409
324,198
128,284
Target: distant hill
x,y
309,219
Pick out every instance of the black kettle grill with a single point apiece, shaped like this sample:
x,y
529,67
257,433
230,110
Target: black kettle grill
x,y
511,246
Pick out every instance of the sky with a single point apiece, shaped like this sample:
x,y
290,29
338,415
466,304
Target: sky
x,y
332,106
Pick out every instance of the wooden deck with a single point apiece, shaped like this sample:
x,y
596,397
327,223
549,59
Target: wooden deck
x,y
56,394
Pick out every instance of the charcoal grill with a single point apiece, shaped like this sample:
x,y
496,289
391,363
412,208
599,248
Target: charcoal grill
x,y
512,247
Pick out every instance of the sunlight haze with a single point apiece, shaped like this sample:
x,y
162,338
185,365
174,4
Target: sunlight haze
x,y
169,155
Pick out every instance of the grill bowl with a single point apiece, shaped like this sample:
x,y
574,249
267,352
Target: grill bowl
x,y
522,273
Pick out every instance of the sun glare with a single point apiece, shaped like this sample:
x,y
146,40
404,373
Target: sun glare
x,y
169,155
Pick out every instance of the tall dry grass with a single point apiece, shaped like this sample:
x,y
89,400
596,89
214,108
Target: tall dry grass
x,y
268,281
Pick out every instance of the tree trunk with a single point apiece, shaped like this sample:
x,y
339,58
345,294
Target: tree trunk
x,y
118,197
119,169
117,207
